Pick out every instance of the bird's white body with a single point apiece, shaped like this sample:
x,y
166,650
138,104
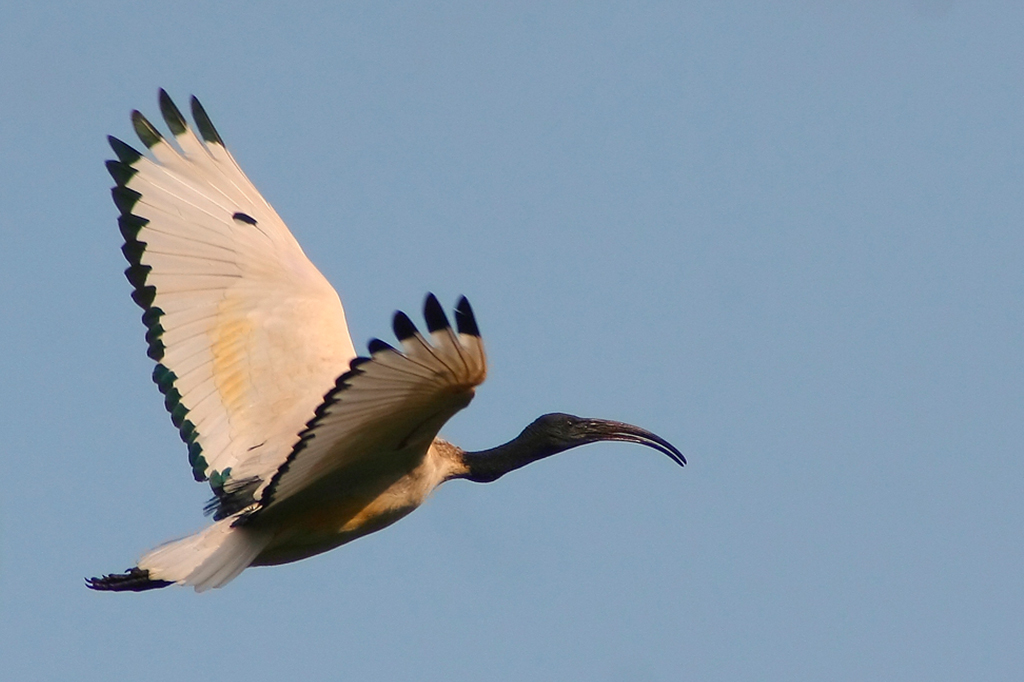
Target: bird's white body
x,y
314,524
317,523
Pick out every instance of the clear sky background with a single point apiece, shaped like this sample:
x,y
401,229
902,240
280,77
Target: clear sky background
x,y
786,236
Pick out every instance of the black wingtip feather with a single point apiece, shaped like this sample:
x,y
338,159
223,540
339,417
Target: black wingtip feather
x,y
136,275
120,171
175,121
403,326
464,318
376,346
125,152
144,297
130,225
133,250
149,135
434,314
202,120
124,199
354,364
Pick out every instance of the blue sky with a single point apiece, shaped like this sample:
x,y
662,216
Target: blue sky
x,y
784,236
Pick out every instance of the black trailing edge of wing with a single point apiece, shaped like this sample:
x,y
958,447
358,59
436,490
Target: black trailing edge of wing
x,y
464,318
134,580
122,171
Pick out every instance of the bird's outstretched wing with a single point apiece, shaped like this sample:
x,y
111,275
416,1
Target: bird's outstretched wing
x,y
247,334
383,413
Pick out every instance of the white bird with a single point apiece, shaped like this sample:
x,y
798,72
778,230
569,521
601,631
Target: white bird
x,y
305,445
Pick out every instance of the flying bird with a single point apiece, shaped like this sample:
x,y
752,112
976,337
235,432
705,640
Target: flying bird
x,y
305,445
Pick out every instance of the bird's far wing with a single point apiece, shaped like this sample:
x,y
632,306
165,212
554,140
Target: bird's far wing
x,y
391,403
247,334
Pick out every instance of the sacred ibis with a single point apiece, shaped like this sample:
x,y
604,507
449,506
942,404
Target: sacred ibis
x,y
305,445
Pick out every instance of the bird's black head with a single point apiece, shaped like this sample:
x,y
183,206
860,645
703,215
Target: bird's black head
x,y
556,432
561,431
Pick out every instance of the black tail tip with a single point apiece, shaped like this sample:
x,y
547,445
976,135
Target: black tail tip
x,y
135,580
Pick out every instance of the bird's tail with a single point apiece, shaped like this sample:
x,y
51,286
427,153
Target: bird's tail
x,y
209,558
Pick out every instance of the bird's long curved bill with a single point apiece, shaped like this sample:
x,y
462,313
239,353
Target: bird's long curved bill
x,y
627,433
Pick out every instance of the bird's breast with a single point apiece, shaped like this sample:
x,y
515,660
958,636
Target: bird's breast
x,y
334,516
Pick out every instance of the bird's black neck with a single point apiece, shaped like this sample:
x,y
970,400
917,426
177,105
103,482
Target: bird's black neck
x,y
484,466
